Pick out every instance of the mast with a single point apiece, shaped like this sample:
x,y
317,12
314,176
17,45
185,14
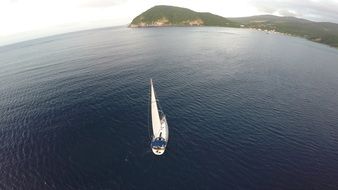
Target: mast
x,y
155,117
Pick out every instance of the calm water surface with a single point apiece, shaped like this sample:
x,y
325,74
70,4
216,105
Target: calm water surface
x,y
246,110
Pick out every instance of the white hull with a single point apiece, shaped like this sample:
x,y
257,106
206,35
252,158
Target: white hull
x,y
158,152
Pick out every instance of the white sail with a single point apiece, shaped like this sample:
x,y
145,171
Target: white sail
x,y
155,117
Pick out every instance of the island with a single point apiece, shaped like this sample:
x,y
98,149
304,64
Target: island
x,y
163,15
168,16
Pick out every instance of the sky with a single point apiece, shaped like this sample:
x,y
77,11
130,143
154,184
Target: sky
x,y
26,19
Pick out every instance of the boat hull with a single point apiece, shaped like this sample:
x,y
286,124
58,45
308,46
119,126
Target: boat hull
x,y
157,151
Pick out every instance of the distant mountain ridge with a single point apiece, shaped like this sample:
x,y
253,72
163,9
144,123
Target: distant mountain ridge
x,y
322,32
162,15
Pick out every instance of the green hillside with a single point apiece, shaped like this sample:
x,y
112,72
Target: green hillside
x,y
323,32
175,16
159,16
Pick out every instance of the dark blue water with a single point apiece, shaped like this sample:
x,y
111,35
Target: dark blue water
x,y
246,110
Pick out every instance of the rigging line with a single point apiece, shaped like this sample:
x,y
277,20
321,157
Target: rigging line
x,y
158,104
160,109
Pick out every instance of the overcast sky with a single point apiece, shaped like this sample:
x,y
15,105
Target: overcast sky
x,y
25,19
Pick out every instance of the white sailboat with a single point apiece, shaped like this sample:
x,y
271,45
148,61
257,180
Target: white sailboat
x,y
159,125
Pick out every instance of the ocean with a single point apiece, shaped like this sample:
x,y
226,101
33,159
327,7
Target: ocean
x,y
246,110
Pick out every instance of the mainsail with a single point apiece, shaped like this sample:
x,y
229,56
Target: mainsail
x,y
155,117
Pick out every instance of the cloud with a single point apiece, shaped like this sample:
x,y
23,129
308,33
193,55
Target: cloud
x,y
285,12
317,10
101,3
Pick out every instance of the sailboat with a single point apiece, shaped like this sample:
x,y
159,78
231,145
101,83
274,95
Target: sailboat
x,y
159,124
